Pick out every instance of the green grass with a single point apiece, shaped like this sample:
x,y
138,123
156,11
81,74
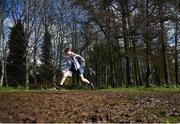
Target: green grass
x,y
120,89
142,89
12,89
172,119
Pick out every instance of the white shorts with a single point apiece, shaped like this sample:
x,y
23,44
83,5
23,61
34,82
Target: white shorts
x,y
67,72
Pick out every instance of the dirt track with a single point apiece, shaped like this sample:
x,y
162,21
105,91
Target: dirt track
x,y
88,106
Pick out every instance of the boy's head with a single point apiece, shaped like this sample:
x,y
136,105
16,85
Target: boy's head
x,y
68,51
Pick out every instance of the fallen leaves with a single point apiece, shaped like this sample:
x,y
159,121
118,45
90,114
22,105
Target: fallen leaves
x,y
88,107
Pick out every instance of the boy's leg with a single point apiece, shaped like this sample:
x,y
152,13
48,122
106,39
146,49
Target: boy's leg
x,y
86,81
65,75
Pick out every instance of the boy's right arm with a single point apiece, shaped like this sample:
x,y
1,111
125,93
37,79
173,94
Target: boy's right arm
x,y
77,55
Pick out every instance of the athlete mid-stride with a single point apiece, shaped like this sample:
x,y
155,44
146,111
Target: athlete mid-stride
x,y
72,64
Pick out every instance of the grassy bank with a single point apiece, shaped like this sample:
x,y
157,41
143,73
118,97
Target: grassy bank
x,y
120,89
142,89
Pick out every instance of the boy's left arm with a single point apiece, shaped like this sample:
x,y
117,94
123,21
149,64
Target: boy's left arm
x,y
77,55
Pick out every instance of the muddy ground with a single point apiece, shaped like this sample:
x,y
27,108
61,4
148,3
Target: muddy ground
x,y
88,106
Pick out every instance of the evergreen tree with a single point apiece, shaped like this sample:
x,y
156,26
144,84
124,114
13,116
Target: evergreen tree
x,y
16,59
46,69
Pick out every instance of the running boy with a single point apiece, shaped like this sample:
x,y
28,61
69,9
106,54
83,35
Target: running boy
x,y
72,65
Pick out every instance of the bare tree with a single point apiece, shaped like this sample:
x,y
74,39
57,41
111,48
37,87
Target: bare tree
x,y
2,44
27,33
125,13
163,41
176,54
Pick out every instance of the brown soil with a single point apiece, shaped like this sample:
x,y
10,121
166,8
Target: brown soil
x,y
88,106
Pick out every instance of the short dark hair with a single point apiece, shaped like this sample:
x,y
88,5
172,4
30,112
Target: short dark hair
x,y
67,49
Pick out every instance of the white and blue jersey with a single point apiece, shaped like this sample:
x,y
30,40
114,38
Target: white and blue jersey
x,y
75,64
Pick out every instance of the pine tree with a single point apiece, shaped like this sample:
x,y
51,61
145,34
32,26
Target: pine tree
x,y
16,59
46,67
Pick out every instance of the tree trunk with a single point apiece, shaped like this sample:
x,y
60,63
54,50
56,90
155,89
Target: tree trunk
x,y
34,60
106,76
135,63
176,55
2,43
147,42
27,72
124,5
27,36
123,80
163,43
2,72
112,78
3,69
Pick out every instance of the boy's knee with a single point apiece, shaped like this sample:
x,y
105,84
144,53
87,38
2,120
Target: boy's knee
x,y
65,75
82,78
